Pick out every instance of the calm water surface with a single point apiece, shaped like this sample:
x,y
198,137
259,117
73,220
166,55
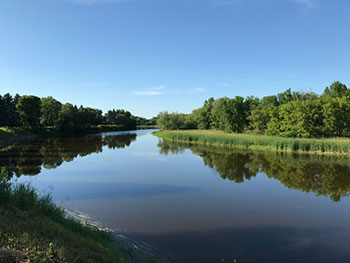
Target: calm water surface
x,y
198,204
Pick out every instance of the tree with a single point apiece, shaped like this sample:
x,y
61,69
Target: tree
x,y
29,110
229,114
285,97
336,113
89,116
50,109
298,119
122,118
8,113
337,89
68,117
202,115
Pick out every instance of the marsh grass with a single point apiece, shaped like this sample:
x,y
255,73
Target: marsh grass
x,y
249,141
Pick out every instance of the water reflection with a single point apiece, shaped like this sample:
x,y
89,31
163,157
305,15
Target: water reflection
x,y
29,158
323,175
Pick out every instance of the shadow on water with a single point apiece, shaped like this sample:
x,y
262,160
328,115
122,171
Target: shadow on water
x,y
29,158
327,176
263,244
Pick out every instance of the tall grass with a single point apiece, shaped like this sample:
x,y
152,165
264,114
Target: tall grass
x,y
248,141
37,227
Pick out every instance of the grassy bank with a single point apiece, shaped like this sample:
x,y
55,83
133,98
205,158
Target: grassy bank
x,y
7,133
249,141
34,229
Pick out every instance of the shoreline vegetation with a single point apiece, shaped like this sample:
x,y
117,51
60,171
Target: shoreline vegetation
x,y
30,115
34,229
8,134
340,146
287,114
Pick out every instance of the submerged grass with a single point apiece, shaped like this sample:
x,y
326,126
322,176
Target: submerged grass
x,y
249,141
35,229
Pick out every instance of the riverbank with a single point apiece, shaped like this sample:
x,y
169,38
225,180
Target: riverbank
x,y
8,135
34,229
255,142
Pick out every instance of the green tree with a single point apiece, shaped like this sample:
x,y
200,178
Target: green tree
x,y
298,119
229,114
176,121
336,113
68,118
50,109
89,116
337,89
29,110
202,116
8,113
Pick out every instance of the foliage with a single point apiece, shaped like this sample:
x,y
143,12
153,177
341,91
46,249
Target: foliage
x,y
173,121
8,113
42,115
29,111
121,117
337,89
287,114
50,109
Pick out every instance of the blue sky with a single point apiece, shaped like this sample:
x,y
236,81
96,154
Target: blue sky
x,y
148,56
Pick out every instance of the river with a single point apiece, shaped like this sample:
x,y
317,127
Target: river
x,y
197,204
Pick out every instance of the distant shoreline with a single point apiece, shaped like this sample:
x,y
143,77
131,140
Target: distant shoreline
x,y
339,146
9,135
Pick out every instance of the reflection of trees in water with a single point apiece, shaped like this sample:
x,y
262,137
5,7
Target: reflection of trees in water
x,y
323,175
27,159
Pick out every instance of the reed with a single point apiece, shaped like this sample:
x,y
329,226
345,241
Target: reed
x,y
250,141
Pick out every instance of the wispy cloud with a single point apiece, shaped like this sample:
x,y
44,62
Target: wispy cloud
x,y
227,84
150,91
195,90
153,156
306,3
163,90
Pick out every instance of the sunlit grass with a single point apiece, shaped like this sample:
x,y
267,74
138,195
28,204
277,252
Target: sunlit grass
x,y
250,141
7,132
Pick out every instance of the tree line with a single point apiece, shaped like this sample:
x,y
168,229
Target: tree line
x,y
287,114
33,112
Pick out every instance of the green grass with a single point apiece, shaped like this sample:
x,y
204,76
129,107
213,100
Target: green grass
x,y
249,141
8,133
37,229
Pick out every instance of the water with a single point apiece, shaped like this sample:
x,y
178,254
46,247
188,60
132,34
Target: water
x,y
197,204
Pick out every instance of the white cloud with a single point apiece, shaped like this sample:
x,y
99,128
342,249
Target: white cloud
x,y
227,84
162,90
195,90
151,91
